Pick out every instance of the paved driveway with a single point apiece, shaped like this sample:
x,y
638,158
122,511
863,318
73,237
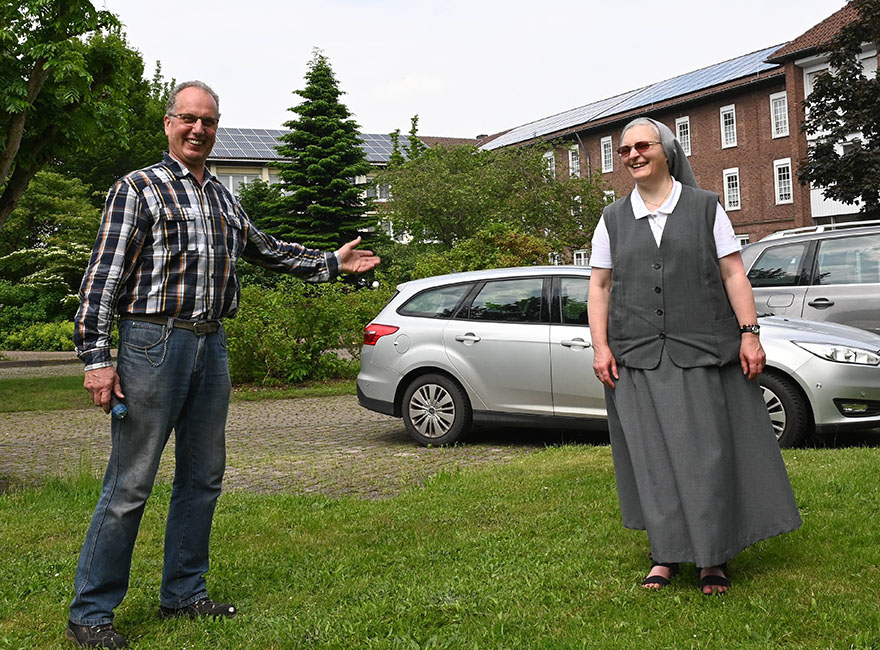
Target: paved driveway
x,y
326,445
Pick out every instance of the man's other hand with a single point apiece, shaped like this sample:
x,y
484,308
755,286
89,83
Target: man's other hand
x,y
101,383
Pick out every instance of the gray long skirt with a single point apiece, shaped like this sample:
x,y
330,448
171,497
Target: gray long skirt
x,y
696,462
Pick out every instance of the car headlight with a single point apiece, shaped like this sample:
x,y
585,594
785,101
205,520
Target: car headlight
x,y
841,353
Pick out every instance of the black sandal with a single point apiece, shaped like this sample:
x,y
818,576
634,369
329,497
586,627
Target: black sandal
x,y
715,581
660,580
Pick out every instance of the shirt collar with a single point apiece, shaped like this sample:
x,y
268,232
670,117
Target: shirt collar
x,y
180,170
640,210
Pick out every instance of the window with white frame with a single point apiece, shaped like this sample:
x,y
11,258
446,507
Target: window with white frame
x,y
742,239
728,126
607,155
782,181
581,257
779,114
381,192
574,160
550,161
555,259
577,206
609,196
683,133
234,181
731,189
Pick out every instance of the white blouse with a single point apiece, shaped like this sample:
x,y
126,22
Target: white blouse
x,y
725,239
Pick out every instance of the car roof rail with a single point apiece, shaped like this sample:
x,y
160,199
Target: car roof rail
x,y
843,225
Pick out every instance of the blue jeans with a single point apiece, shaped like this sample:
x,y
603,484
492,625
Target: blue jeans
x,y
172,379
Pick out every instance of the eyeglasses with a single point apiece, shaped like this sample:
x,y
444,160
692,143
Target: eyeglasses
x,y
640,147
190,119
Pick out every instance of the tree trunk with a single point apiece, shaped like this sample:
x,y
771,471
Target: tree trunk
x,y
14,134
13,190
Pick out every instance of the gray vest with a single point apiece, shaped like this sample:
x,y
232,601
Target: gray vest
x,y
670,297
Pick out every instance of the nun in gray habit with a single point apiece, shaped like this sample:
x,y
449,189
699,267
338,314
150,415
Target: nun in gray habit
x,y
677,344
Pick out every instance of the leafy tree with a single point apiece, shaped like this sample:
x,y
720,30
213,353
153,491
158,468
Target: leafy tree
x,y
51,233
65,75
54,210
320,205
845,102
496,245
137,141
448,194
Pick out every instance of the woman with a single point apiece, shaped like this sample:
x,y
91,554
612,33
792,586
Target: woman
x,y
676,343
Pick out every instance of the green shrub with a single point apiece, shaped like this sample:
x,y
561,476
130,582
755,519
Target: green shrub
x,y
296,331
41,336
26,304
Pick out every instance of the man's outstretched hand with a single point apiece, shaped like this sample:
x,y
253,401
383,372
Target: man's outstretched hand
x,y
353,260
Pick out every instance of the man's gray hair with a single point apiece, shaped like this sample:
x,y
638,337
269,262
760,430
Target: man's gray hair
x,y
172,98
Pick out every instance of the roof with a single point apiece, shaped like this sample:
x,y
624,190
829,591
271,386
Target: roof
x,y
688,83
818,35
259,144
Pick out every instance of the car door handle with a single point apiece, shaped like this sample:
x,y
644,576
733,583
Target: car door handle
x,y
467,338
821,303
574,343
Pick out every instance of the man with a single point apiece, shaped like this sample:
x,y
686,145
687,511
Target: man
x,y
164,261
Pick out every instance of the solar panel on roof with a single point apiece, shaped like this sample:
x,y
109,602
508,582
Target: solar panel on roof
x,y
259,144
661,91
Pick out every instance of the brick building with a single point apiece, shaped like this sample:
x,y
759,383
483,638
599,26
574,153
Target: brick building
x,y
740,121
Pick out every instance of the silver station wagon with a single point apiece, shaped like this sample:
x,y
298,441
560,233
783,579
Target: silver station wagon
x,y
828,273
512,347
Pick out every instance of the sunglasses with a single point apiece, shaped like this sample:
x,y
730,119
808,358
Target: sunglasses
x,y
640,147
189,119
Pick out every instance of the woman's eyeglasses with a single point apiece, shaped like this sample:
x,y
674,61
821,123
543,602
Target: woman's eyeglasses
x,y
640,147
189,119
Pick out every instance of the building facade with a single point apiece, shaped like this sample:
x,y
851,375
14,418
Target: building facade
x,y
739,121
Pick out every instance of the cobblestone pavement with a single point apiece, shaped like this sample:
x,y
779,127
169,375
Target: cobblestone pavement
x,y
327,446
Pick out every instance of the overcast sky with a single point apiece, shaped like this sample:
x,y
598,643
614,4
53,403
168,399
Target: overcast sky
x,y
466,67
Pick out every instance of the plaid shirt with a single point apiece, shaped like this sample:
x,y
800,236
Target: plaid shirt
x,y
168,247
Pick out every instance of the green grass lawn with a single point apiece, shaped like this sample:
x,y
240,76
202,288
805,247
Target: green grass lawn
x,y
529,554
67,392
43,394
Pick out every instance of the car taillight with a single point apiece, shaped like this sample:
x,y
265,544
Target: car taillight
x,y
373,332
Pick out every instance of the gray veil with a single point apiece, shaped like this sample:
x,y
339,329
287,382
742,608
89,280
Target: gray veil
x,y
679,166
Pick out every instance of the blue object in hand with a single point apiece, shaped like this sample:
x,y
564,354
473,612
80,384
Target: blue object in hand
x,y
118,410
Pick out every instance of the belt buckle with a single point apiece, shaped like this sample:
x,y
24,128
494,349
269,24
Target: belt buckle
x,y
202,328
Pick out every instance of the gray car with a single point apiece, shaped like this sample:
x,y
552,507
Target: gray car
x,y
827,273
512,347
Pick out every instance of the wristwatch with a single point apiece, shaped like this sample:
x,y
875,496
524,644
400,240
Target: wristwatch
x,y
750,329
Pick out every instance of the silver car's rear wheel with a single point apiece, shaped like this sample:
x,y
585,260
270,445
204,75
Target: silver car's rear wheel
x,y
789,411
436,410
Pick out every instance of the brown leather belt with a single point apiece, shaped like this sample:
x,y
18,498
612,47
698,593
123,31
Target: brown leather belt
x,y
200,327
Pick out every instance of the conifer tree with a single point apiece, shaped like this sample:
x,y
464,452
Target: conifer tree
x,y
396,159
416,147
320,206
